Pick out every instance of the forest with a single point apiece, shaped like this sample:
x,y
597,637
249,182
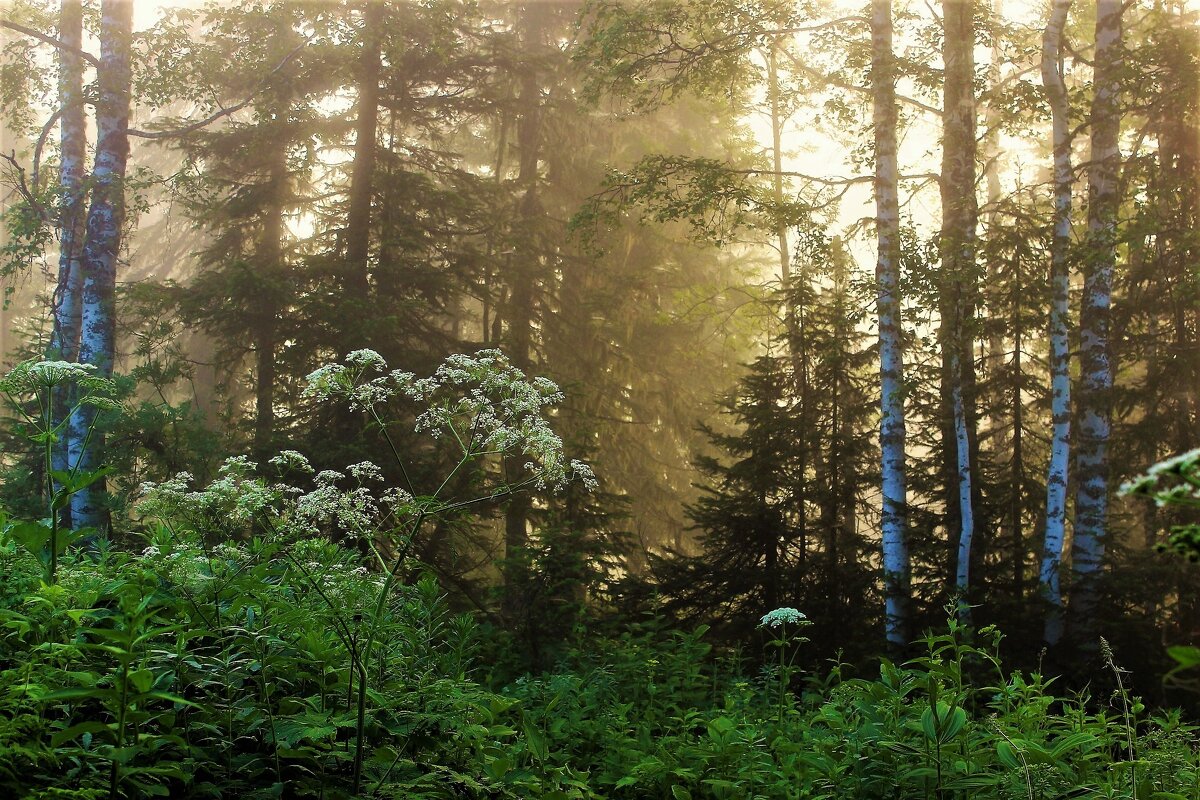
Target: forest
x,y
589,399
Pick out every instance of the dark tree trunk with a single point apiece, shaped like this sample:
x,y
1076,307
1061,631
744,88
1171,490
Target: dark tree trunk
x,y
362,170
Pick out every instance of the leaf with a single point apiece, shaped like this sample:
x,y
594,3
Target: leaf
x,y
680,793
1080,741
170,698
33,536
536,741
142,680
82,729
1006,755
1185,655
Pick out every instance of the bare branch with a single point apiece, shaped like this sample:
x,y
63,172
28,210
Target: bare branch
x,y
36,179
832,80
224,112
22,187
50,40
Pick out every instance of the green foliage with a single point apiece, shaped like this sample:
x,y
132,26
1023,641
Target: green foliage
x,y
1175,484
29,390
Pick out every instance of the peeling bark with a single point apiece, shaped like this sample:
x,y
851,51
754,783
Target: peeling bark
x,y
1049,584
1094,394
894,513
105,220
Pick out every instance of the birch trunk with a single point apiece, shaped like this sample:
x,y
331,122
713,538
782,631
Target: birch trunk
x,y
960,212
1049,584
106,217
66,307
1096,372
894,512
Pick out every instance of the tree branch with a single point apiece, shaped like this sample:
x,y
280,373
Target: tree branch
x,y
41,143
50,40
22,187
224,112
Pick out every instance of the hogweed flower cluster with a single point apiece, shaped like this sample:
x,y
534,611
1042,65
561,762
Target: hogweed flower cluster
x,y
36,377
782,616
480,400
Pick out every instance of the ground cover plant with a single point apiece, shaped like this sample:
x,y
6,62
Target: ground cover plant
x,y
274,636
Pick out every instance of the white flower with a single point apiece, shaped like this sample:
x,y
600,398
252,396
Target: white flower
x,y
35,375
781,616
328,477
291,460
1175,463
366,358
365,471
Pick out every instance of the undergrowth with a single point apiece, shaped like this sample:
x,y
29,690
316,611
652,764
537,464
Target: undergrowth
x,y
191,671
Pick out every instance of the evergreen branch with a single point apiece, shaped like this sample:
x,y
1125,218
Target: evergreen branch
x,y
224,112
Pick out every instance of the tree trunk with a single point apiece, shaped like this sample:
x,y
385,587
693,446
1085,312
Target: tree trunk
x,y
1049,585
1096,372
894,512
523,269
362,171
64,344
270,257
960,212
106,216
793,320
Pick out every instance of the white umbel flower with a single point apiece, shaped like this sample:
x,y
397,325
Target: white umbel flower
x,y
781,616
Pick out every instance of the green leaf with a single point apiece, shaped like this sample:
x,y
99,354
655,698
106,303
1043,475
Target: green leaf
x,y
33,536
67,734
1185,655
536,741
1080,741
680,793
1006,755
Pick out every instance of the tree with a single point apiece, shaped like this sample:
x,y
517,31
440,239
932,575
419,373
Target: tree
x,y
105,220
1060,324
958,282
894,512
66,303
1094,394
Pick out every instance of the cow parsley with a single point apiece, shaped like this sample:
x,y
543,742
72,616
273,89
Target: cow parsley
x,y
781,616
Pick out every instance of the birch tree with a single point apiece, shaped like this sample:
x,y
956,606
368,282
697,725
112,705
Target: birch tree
x,y
1094,398
894,519
106,217
64,344
959,216
1060,324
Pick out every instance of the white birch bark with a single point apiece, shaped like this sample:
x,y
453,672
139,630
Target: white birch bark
x,y
66,306
105,219
894,519
1049,583
1096,373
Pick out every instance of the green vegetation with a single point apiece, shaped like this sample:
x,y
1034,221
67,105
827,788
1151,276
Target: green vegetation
x,y
196,670
276,638
616,399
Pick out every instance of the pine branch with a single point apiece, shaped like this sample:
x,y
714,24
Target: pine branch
x,y
224,112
